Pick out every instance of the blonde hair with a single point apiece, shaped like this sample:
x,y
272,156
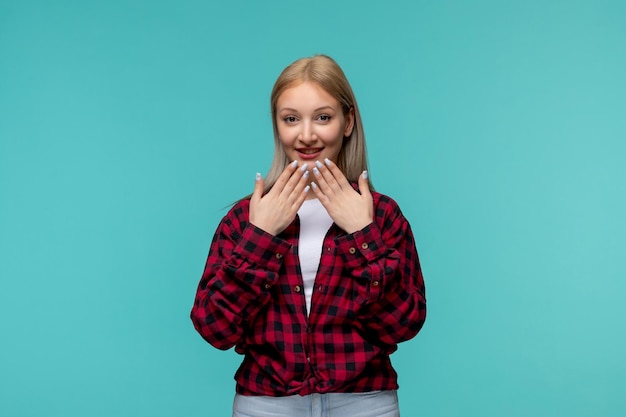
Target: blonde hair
x,y
326,73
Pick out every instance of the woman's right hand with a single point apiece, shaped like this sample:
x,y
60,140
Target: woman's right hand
x,y
274,211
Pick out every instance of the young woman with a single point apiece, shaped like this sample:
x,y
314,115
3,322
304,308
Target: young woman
x,y
314,278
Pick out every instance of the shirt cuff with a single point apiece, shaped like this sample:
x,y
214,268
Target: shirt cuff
x,y
261,248
362,246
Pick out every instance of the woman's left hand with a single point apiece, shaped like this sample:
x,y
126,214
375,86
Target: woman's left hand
x,y
349,210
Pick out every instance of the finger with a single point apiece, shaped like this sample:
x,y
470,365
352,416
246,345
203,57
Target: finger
x,y
297,195
322,184
301,196
329,176
319,194
326,179
364,185
259,185
295,183
283,178
304,179
337,174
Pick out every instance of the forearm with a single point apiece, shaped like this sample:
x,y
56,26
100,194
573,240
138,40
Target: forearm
x,y
236,285
390,303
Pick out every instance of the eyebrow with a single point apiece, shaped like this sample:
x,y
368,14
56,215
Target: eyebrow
x,y
316,110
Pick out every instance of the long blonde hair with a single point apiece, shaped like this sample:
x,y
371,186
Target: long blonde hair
x,y
325,72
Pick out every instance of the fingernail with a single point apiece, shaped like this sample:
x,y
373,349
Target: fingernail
x,y
294,164
319,164
306,189
258,176
306,174
364,175
316,171
303,168
327,161
314,185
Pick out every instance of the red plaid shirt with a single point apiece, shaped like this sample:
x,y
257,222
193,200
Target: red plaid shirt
x,y
368,296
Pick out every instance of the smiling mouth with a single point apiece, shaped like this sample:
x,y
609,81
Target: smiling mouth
x,y
309,151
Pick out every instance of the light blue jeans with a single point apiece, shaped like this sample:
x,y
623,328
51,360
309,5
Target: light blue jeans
x,y
366,404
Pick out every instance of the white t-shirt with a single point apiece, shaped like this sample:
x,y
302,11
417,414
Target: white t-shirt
x,y
314,223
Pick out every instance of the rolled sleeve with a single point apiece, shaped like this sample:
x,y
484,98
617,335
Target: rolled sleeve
x,y
262,249
361,247
361,252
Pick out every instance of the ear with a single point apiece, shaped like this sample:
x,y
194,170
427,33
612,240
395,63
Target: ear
x,y
349,123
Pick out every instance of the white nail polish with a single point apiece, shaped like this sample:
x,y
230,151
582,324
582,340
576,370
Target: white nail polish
x,y
294,164
327,161
258,176
306,189
316,171
364,174
306,174
314,185
303,168
319,164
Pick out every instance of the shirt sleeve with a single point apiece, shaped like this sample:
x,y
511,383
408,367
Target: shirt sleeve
x,y
242,265
390,301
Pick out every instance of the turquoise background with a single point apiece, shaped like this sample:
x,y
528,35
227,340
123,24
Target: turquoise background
x,y
127,127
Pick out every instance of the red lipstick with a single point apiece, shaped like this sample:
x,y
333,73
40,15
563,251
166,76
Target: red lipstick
x,y
309,153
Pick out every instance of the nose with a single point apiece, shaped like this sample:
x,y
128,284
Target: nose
x,y
307,133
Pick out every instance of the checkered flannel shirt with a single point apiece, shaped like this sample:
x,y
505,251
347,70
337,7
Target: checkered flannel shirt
x,y
368,296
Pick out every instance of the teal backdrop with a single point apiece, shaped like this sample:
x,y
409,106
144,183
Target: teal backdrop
x,y
127,127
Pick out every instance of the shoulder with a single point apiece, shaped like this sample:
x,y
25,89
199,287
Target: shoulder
x,y
387,211
237,216
390,219
384,202
241,207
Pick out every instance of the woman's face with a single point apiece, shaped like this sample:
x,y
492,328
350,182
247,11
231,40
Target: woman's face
x,y
311,124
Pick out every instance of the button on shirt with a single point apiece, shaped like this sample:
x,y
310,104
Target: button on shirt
x,y
368,297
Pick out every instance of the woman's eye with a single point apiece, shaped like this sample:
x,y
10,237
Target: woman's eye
x,y
289,119
324,117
